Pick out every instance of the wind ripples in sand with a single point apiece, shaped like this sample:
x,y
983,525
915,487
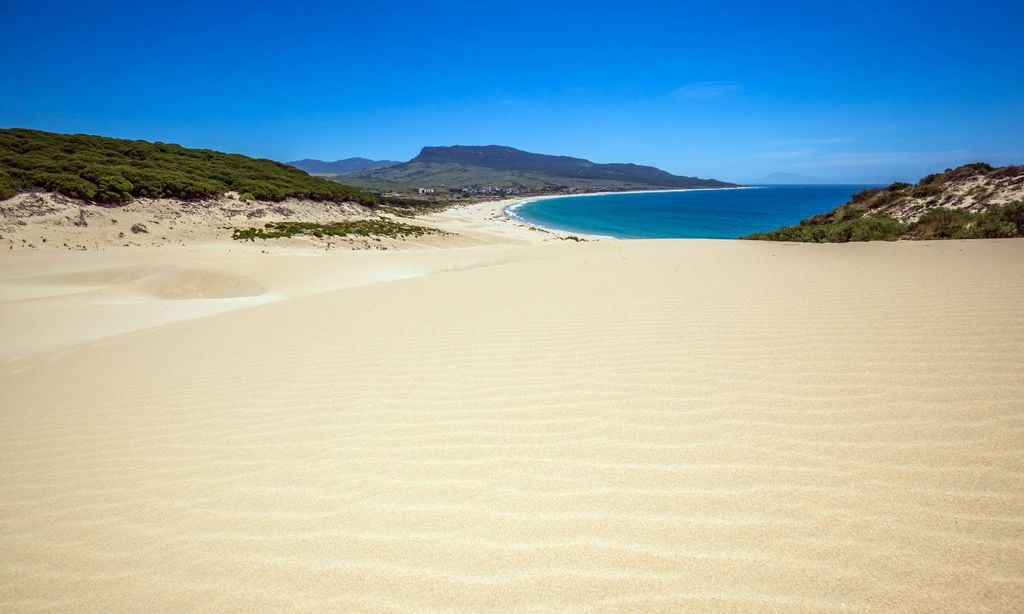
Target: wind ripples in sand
x,y
642,426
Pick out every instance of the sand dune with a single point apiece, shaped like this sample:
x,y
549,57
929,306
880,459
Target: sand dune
x,y
642,425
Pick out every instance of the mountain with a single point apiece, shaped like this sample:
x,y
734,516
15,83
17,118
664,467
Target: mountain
x,y
340,167
497,168
973,201
106,170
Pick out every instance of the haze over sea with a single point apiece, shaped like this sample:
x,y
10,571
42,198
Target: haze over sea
x,y
686,214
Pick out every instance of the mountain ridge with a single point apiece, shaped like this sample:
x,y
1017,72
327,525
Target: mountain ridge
x,y
482,167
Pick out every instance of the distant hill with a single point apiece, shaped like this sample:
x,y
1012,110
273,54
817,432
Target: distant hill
x,y
106,170
493,167
340,167
968,202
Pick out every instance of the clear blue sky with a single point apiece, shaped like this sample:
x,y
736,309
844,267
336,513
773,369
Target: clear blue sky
x,y
855,91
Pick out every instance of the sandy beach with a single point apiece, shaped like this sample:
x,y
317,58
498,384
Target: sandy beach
x,y
513,421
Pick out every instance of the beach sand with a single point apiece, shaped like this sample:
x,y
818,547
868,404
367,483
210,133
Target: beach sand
x,y
516,425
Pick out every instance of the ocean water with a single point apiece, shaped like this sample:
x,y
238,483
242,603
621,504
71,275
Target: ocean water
x,y
687,214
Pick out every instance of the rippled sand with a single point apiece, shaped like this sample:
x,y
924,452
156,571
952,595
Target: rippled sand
x,y
607,426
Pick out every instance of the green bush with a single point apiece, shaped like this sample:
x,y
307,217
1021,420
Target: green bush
x,y
115,170
872,228
996,229
926,191
1007,171
866,228
70,185
942,223
848,212
364,228
8,186
113,188
998,222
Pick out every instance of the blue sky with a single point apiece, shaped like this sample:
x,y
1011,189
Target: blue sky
x,y
865,91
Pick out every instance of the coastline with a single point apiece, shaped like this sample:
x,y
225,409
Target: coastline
x,y
510,210
47,222
532,199
493,222
366,307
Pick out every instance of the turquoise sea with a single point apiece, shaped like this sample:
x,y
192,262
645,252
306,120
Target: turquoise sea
x,y
689,214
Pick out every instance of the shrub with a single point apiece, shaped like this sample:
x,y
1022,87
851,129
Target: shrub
x,y
69,185
113,188
926,191
847,212
942,223
363,228
886,199
864,195
1008,171
865,228
995,229
1012,213
997,222
115,170
8,186
872,228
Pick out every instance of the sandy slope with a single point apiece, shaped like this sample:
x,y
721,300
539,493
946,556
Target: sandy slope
x,y
655,425
51,222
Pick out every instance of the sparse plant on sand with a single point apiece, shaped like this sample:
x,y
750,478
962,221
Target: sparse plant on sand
x,y
361,228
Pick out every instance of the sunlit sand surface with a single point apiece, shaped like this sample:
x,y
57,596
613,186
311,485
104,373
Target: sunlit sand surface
x,y
651,425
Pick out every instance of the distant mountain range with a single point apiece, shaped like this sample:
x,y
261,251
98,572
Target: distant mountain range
x,y
340,167
493,168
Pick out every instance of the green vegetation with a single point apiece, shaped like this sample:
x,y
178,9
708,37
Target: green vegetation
x,y
926,191
112,171
859,229
362,228
997,222
411,208
874,215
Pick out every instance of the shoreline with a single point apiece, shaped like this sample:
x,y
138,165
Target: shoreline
x,y
490,222
42,221
532,199
510,210
48,222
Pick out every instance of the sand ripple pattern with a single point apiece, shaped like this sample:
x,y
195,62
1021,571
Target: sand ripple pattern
x,y
654,426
